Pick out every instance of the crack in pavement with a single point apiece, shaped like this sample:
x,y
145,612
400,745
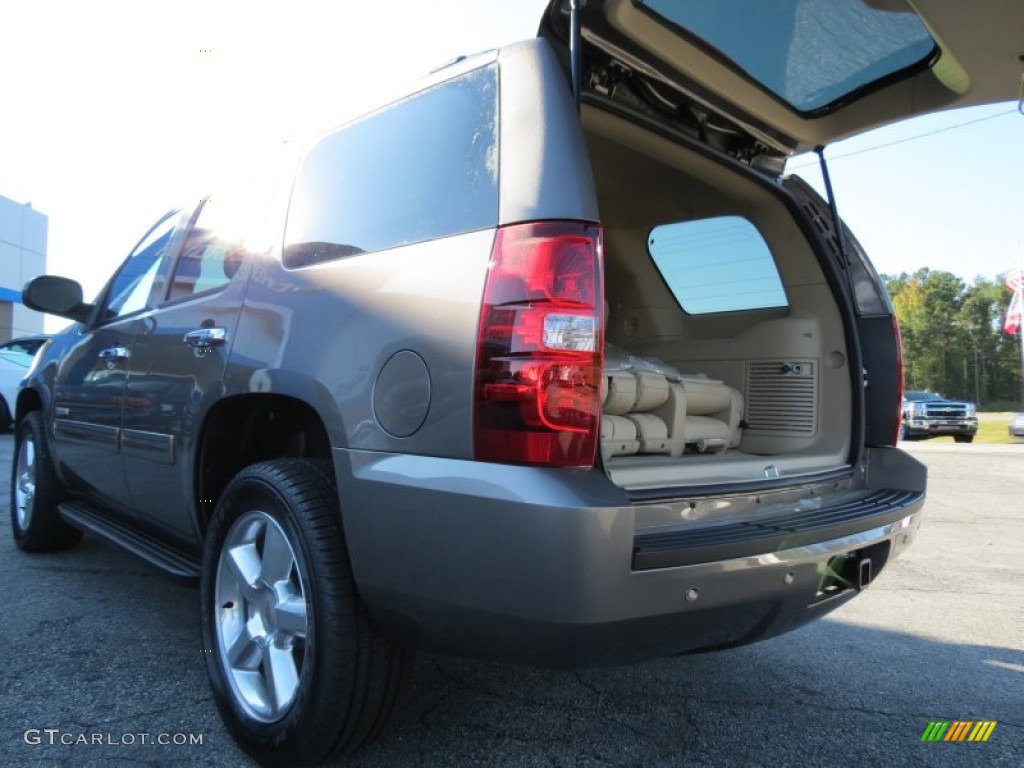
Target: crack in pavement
x,y
126,716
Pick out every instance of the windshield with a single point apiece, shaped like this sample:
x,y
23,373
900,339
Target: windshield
x,y
809,53
917,397
19,359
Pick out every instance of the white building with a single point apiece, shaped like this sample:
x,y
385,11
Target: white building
x,y
22,257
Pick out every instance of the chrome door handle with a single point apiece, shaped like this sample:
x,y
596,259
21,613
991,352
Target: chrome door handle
x,y
206,337
115,353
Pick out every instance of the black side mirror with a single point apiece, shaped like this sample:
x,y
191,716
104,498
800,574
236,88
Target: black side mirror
x,y
56,296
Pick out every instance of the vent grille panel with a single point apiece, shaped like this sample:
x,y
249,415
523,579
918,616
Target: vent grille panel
x,y
782,397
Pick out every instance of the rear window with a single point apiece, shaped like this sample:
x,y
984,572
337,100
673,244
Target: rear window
x,y
809,53
717,265
423,168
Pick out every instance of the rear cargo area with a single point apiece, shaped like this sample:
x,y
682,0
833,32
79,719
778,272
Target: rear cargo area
x,y
726,358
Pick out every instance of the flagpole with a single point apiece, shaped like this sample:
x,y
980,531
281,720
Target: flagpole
x,y
1013,323
1019,298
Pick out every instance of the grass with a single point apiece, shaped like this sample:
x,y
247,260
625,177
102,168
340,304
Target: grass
x,y
992,428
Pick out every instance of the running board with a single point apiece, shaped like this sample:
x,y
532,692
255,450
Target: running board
x,y
171,560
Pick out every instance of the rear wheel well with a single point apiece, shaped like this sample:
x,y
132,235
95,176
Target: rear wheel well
x,y
6,415
248,429
28,401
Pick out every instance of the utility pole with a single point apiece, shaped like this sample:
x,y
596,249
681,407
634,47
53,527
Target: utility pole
x,y
977,389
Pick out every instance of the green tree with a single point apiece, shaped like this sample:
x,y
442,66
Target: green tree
x,y
953,340
928,304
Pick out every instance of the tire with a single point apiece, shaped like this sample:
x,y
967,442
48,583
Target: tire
x,y
910,437
963,438
291,619
36,492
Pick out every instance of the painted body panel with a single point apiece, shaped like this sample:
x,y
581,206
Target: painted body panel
x,y
170,386
88,398
534,565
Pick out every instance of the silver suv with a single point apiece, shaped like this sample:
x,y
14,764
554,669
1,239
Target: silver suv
x,y
544,360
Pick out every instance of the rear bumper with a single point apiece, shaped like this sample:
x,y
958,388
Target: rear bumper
x,y
538,566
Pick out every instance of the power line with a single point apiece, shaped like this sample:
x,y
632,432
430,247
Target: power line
x,y
906,139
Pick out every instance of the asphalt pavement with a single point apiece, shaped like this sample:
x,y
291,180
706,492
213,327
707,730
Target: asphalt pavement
x,y
100,649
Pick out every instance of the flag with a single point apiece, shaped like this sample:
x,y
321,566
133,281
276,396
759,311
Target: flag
x,y
1015,312
1013,279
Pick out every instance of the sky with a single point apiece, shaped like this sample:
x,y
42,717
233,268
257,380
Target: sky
x,y
115,112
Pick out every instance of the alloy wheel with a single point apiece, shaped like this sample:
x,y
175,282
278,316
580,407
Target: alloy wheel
x,y
262,619
25,482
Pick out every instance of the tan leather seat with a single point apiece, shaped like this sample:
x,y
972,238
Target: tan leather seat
x,y
713,414
647,412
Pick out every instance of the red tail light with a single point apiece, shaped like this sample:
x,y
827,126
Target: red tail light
x,y
537,397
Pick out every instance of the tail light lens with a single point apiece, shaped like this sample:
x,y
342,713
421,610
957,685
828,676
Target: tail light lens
x,y
537,397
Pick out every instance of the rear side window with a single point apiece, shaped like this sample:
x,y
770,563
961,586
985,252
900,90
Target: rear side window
x,y
717,265
423,168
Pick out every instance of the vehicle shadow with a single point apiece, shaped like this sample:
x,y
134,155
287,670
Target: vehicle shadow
x,y
829,694
96,641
